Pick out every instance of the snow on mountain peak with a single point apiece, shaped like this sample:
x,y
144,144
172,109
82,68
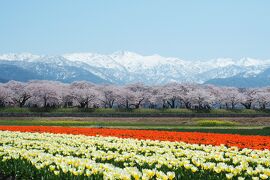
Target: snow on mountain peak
x,y
19,56
128,67
124,54
223,62
92,59
253,62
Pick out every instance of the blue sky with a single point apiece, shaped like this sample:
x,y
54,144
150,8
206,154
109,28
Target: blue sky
x,y
188,29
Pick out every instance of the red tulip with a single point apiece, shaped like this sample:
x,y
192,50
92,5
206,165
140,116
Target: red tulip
x,y
241,141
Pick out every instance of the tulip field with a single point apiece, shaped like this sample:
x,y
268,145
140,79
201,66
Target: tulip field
x,y
43,152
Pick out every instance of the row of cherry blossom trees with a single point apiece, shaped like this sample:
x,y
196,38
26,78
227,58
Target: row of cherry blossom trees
x,y
87,95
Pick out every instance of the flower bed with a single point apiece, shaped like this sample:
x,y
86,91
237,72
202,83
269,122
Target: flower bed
x,y
253,142
62,156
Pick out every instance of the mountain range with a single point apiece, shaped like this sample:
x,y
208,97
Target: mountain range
x,y
127,67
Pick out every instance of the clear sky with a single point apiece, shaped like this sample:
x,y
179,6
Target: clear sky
x,y
191,29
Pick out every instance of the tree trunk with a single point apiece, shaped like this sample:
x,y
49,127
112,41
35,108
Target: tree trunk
x,y
233,105
45,102
127,104
187,105
172,103
247,105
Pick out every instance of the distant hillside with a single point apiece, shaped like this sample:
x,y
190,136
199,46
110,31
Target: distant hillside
x,y
12,72
3,80
128,67
25,71
260,80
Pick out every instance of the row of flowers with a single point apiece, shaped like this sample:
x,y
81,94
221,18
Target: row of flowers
x,y
66,156
253,142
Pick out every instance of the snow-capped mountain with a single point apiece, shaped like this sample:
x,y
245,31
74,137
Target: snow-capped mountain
x,y
54,68
19,57
127,67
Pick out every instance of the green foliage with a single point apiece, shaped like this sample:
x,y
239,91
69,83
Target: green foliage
x,y
267,128
245,131
131,111
210,123
227,128
14,110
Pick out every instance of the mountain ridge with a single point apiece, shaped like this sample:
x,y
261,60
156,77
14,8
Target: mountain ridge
x,y
124,67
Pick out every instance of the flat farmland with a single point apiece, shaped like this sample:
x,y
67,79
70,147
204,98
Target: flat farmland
x,y
246,126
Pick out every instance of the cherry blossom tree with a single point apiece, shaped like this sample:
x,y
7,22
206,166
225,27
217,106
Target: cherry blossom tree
x,y
108,95
170,94
5,96
174,95
186,96
84,93
218,94
20,92
152,97
66,96
231,97
45,93
201,98
138,94
248,97
262,97
131,96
